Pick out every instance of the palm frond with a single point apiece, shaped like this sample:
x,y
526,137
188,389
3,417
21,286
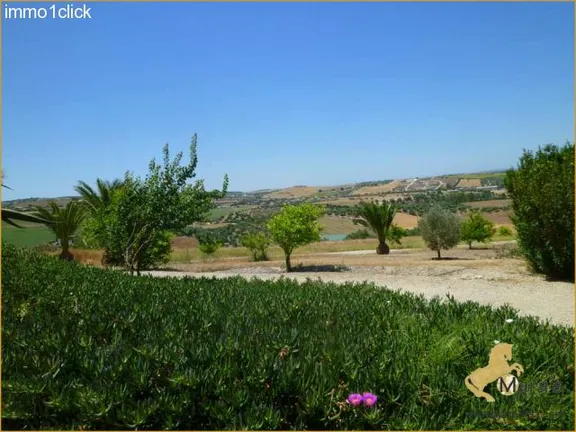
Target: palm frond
x,y
9,216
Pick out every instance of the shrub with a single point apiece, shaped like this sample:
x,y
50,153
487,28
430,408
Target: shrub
x,y
508,251
93,349
440,229
476,229
208,245
360,235
396,234
542,192
505,231
257,244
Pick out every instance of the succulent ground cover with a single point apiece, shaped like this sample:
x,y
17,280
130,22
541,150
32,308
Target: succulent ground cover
x,y
86,348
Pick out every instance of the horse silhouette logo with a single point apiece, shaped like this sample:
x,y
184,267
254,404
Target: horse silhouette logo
x,y
497,369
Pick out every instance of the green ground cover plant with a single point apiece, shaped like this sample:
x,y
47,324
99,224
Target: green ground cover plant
x,y
97,348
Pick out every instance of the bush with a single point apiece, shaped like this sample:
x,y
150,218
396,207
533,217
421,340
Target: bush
x,y
542,194
360,234
89,348
208,245
257,244
413,231
505,232
440,229
508,251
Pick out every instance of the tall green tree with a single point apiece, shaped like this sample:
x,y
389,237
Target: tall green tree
x,y
145,210
476,229
542,192
379,218
295,226
63,222
440,229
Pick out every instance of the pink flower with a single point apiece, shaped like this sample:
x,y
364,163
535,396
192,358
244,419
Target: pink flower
x,y
369,399
355,399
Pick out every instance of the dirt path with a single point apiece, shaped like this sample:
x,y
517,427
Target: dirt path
x,y
477,278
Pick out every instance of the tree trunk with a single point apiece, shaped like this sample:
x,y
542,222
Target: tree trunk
x,y
383,248
439,257
470,244
66,255
288,265
105,261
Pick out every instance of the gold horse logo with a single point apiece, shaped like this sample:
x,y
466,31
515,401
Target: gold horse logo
x,y
497,367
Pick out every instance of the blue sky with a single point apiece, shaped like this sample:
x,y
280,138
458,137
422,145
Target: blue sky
x,y
284,94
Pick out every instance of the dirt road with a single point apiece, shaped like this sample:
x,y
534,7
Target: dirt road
x,y
467,275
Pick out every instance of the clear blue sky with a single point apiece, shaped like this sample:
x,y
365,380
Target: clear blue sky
x,y
284,94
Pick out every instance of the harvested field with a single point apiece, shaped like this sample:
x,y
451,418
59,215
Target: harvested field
x,y
489,203
338,225
184,242
369,190
406,220
344,225
346,201
469,182
500,217
301,192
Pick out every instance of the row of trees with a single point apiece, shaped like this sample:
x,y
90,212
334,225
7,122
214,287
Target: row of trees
x,y
132,219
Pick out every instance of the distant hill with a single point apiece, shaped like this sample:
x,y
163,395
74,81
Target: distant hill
x,y
465,181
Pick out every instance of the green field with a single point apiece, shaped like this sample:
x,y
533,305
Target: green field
x,y
29,236
217,213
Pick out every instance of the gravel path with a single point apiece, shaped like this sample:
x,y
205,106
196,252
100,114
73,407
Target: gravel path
x,y
531,295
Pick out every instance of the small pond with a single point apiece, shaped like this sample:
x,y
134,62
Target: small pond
x,y
334,237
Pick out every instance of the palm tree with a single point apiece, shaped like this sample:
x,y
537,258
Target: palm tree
x,y
100,198
377,217
95,201
64,222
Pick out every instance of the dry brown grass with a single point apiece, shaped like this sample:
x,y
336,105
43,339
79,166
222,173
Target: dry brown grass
x,y
347,201
344,225
84,256
469,182
406,220
337,225
489,203
301,191
370,190
500,218
459,257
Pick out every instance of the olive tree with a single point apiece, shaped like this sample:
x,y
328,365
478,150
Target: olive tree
x,y
440,229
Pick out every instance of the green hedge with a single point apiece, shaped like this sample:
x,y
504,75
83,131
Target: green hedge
x,y
98,349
